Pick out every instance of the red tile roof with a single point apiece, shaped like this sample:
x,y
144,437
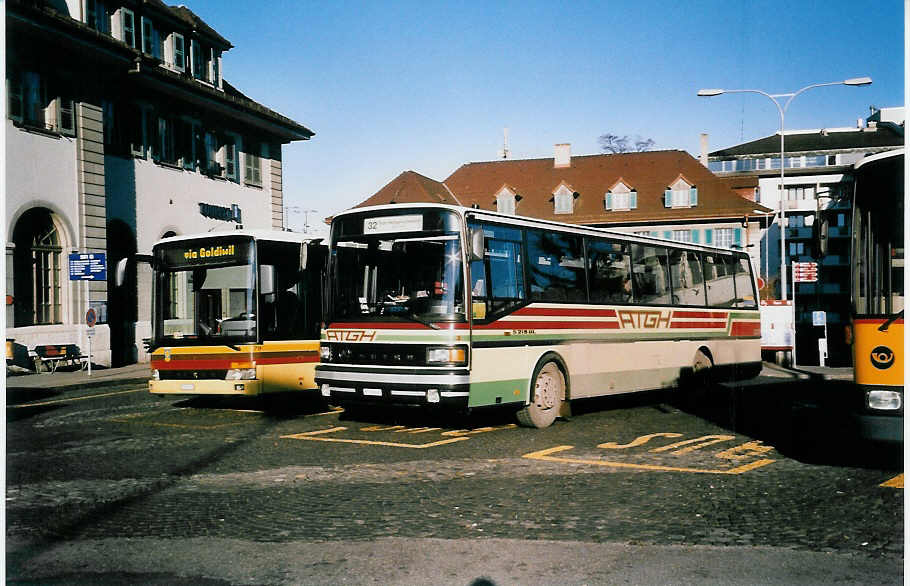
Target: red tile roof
x,y
591,176
411,187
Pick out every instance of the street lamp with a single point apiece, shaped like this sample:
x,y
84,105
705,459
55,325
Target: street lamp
x,y
855,81
297,210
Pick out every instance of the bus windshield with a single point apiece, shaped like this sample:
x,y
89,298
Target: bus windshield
x,y
397,277
205,291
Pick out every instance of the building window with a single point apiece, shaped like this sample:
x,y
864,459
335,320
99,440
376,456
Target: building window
x,y
505,201
185,143
128,27
682,235
37,268
797,248
202,61
165,143
723,237
150,42
252,166
563,200
621,197
681,195
211,167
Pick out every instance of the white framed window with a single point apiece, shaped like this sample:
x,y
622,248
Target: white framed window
x,y
178,51
682,235
252,165
563,200
681,194
723,237
62,116
212,166
621,197
505,201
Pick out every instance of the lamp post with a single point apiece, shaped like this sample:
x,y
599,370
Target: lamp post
x,y
297,210
855,81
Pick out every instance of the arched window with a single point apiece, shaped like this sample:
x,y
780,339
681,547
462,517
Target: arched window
x,y
37,268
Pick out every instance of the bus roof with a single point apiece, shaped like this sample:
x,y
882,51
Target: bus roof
x,y
274,235
879,157
536,222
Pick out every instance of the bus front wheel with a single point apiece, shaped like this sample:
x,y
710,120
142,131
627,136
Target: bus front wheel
x,y
549,394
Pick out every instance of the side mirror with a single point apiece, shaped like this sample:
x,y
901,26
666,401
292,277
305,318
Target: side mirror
x,y
475,241
120,272
820,240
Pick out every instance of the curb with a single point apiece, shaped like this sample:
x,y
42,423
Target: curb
x,y
77,385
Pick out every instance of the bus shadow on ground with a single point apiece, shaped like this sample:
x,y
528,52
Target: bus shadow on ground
x,y
804,419
277,406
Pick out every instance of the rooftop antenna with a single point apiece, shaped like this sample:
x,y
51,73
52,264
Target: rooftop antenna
x,y
505,152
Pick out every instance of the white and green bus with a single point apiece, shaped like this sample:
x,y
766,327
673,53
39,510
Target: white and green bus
x,y
464,308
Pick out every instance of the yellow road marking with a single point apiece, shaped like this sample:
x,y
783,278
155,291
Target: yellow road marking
x,y
57,401
896,482
708,440
314,436
546,455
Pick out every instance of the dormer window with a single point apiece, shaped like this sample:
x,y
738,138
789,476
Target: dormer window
x,y
681,194
563,199
127,23
621,197
505,200
178,51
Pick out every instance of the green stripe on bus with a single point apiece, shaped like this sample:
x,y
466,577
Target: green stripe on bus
x,y
507,391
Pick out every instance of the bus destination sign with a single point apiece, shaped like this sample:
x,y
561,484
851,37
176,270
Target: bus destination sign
x,y
197,253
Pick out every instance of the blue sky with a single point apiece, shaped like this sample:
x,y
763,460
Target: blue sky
x,y
428,86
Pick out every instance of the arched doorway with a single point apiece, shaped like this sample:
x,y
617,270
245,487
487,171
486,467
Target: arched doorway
x,y
37,270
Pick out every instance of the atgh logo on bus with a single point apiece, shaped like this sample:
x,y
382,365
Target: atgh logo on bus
x,y
882,357
644,319
350,335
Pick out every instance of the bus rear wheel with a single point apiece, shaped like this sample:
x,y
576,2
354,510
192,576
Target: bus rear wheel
x,y
549,394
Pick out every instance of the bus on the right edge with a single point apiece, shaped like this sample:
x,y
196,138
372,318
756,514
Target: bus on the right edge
x,y
877,296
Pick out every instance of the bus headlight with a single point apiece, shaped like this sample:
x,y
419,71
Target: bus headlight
x,y
456,356
240,374
883,400
325,353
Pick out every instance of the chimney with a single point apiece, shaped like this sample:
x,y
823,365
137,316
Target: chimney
x,y
563,156
704,149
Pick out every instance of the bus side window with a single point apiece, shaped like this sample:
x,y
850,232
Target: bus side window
x,y
686,278
742,277
556,271
649,274
498,279
609,272
718,270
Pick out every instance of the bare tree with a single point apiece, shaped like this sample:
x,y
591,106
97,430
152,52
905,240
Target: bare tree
x,y
613,143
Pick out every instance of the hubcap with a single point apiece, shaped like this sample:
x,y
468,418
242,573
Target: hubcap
x,y
545,392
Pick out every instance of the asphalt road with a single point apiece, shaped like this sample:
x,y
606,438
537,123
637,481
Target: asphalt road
x,y
112,485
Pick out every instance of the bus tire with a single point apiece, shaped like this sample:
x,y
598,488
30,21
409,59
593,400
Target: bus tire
x,y
549,392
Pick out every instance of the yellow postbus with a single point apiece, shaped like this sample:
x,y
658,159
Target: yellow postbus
x,y
877,296
235,313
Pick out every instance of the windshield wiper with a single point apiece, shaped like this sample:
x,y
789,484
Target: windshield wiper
x,y
884,327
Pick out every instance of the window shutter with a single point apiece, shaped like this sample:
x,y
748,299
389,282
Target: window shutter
x,y
633,200
695,237
738,236
709,233
693,196
668,234
66,121
609,201
668,198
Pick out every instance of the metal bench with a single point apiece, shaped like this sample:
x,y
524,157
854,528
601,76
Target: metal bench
x,y
50,356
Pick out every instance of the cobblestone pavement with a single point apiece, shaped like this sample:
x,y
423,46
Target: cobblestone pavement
x,y
633,472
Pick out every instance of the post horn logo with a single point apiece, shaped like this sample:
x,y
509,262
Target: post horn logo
x,y
882,357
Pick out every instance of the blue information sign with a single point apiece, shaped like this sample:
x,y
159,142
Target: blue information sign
x,y
88,266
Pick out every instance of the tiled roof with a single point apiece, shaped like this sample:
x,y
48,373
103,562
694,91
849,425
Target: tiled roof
x,y
189,17
880,136
411,187
591,176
